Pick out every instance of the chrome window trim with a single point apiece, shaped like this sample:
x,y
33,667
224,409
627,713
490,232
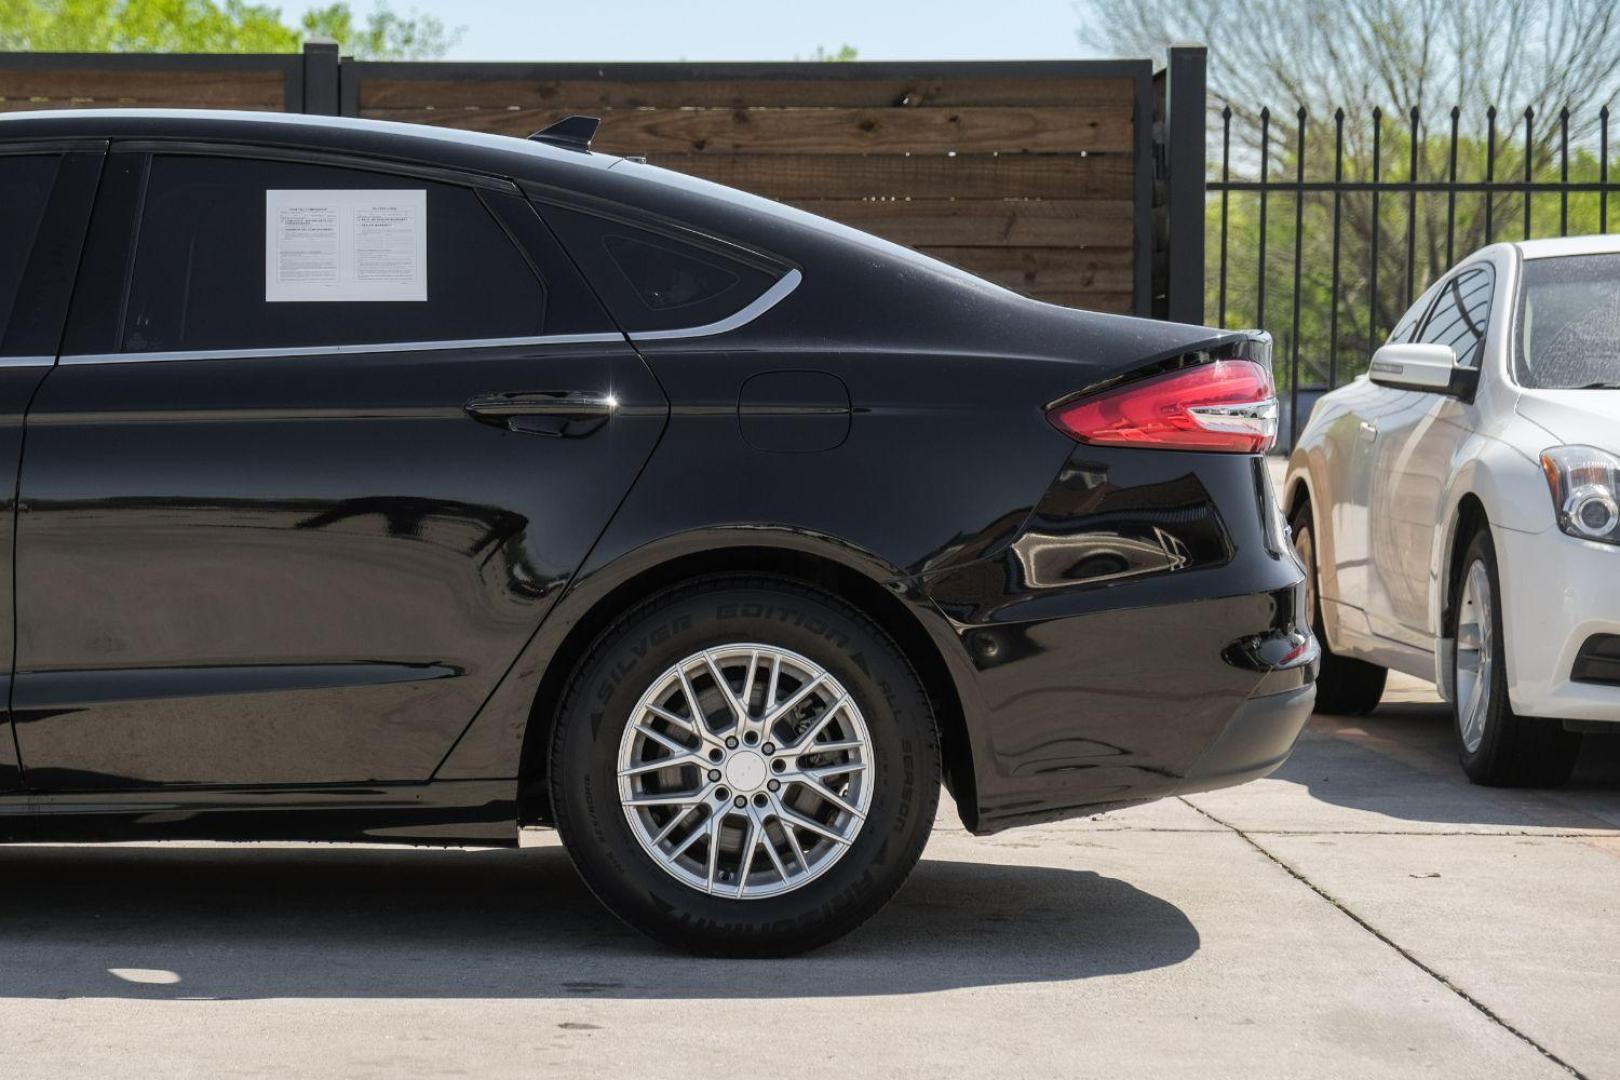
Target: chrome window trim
x,y
328,350
26,361
742,317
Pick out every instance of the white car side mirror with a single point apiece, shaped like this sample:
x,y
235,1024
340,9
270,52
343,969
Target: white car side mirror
x,y
1431,368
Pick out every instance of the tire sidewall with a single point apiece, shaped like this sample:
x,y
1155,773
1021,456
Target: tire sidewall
x,y
666,630
1497,713
1301,525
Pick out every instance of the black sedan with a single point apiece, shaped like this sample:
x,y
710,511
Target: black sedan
x,y
372,481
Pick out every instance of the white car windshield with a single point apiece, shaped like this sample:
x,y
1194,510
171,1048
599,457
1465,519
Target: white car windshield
x,y
1569,333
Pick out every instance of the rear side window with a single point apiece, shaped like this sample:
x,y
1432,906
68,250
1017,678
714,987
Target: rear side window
x,y
199,278
654,281
1461,314
25,185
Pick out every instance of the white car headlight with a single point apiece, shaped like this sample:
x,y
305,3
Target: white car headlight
x,y
1585,486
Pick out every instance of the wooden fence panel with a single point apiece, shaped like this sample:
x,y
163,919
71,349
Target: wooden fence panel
x,y
32,81
1036,175
1031,175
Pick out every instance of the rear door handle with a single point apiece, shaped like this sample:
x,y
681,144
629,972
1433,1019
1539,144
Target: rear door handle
x,y
544,412
1369,431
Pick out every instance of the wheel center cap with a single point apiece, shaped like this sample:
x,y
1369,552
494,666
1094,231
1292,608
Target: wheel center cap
x,y
746,771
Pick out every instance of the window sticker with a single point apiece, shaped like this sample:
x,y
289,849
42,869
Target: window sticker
x,y
345,245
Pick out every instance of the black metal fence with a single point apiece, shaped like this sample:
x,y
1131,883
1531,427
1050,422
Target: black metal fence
x,y
1324,231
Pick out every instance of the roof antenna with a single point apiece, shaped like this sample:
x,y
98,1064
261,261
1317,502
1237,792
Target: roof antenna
x,y
570,133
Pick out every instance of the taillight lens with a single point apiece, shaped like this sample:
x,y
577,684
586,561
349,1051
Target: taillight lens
x,y
1228,405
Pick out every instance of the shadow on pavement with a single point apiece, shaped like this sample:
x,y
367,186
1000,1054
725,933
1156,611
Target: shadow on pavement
x,y
225,922
1401,762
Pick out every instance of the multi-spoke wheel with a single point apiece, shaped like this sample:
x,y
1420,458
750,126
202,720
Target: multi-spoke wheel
x,y
745,767
1475,656
743,770
1494,744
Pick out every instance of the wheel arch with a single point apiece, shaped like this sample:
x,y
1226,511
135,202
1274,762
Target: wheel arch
x,y
879,601
1297,493
1466,519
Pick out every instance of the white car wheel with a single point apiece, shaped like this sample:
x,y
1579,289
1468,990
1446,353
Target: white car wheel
x,y
1476,649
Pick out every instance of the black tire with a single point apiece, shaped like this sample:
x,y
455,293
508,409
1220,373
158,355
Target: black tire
x,y
1513,751
1345,686
628,659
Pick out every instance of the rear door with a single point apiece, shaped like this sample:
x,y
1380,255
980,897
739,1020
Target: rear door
x,y
45,196
326,441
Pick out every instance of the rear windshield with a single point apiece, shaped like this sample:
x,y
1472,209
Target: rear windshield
x,y
1569,332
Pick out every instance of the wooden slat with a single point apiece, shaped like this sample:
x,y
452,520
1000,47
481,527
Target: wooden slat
x,y
65,87
564,96
826,131
984,222
932,176
1045,270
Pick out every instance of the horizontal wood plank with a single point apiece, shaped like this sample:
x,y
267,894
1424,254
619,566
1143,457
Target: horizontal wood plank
x,y
564,96
984,222
1045,270
65,87
931,176
826,131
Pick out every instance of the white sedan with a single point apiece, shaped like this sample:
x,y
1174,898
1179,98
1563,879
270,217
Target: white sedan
x,y
1457,508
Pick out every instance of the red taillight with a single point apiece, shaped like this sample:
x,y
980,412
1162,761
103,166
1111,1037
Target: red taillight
x,y
1227,405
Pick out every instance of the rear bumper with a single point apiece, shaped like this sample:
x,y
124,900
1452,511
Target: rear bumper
x,y
1142,636
1257,739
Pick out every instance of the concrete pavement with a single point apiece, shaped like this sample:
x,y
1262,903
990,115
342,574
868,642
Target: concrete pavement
x,y
1363,913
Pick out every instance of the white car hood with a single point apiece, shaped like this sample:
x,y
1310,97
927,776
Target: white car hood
x,y
1575,417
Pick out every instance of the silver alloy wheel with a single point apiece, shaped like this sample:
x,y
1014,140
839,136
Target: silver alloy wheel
x,y
745,771
1475,656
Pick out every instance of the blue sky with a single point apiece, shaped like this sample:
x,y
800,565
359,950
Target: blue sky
x,y
753,29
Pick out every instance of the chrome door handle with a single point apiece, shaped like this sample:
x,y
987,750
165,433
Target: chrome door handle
x,y
544,412
571,403
1369,431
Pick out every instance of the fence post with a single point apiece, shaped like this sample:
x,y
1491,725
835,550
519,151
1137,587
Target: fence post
x,y
320,78
1184,178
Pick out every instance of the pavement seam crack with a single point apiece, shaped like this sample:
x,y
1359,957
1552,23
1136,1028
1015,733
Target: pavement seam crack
x,y
1479,1006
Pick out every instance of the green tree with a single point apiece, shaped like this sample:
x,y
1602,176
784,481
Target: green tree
x,y
384,35
212,26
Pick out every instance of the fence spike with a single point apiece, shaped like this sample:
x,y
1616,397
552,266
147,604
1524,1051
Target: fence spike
x,y
1299,277
1529,165
1265,169
1603,169
1490,170
1451,192
1333,289
1563,171
1226,197
1411,208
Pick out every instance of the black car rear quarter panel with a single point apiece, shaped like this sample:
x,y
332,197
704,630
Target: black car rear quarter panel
x,y
1116,638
